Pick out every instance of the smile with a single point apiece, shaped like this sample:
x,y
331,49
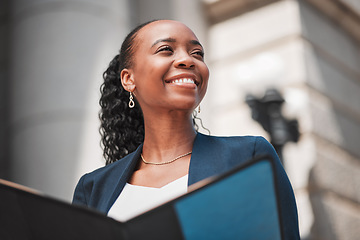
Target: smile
x,y
183,80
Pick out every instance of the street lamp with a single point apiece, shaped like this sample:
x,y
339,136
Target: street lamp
x,y
267,111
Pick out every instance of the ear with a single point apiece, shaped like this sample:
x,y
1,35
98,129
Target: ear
x,y
127,79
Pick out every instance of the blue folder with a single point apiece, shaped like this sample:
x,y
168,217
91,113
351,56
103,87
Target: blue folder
x,y
240,204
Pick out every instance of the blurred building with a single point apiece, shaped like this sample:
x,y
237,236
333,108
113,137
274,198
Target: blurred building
x,y
53,53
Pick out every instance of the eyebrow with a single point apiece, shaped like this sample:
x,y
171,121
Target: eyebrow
x,y
194,42
163,40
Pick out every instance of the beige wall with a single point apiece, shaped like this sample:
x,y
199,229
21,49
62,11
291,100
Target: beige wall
x,y
333,77
296,48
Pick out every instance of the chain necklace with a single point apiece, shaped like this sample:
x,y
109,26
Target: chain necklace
x,y
167,162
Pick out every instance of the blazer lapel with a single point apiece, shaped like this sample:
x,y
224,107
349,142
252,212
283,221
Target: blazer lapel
x,y
205,159
125,171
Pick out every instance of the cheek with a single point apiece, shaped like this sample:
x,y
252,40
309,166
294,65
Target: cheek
x,y
205,73
146,75
154,68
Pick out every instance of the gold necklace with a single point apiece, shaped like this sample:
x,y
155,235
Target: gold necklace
x,y
163,163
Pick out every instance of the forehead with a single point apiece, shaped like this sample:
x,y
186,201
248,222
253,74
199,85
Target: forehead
x,y
165,29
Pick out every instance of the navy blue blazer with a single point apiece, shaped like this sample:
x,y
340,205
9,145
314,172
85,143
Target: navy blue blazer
x,y
210,156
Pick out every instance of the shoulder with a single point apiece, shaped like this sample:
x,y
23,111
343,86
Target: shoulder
x,y
247,147
229,139
225,152
109,171
248,143
102,181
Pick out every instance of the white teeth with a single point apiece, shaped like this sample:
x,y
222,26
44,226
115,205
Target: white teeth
x,y
183,80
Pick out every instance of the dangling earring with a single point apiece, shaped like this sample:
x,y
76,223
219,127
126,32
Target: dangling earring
x,y
131,101
199,109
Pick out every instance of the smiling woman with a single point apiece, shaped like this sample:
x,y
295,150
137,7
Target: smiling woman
x,y
167,52
151,145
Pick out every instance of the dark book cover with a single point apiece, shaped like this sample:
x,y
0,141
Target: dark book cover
x,y
240,204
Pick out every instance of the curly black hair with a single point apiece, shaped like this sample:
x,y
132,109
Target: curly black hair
x,y
122,128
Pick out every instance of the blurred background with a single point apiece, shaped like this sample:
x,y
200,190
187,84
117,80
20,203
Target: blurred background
x,y
53,54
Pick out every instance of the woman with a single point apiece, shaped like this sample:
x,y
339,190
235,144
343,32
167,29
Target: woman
x,y
152,149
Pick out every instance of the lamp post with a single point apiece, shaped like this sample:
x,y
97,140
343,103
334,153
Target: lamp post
x,y
267,111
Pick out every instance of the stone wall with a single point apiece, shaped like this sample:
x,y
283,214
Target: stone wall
x,y
314,62
333,78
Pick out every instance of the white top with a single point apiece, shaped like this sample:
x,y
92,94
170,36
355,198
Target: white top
x,y
135,200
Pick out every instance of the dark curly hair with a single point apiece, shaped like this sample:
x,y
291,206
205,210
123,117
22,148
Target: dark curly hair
x,y
122,128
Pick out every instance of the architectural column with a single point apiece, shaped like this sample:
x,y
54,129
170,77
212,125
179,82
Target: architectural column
x,y
309,51
58,53
331,52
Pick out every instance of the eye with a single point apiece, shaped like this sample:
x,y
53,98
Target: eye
x,y
199,53
165,49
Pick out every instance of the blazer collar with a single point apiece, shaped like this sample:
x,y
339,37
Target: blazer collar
x,y
203,163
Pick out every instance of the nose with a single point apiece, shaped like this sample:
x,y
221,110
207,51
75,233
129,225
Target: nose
x,y
184,60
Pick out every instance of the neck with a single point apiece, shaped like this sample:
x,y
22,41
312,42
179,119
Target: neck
x,y
168,137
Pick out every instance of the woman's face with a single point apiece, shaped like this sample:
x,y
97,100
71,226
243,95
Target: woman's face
x,y
168,69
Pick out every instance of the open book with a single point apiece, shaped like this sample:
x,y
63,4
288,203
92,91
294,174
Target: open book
x,y
240,204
